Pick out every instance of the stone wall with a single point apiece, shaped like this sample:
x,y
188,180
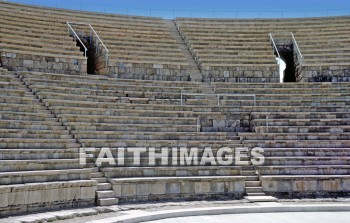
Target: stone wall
x,y
31,197
307,186
143,71
27,62
325,74
241,74
178,188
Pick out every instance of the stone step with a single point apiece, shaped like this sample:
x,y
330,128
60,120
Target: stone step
x,y
104,186
248,172
100,179
128,120
297,144
31,125
311,152
256,189
252,183
294,136
31,134
252,198
256,194
299,160
251,178
79,126
96,175
37,154
105,194
10,178
25,143
153,135
304,129
107,201
97,143
35,165
304,170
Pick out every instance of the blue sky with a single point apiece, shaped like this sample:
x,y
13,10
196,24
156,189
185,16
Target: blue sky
x,y
206,8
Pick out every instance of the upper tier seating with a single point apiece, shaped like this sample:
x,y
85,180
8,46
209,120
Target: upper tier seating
x,y
237,45
139,46
37,42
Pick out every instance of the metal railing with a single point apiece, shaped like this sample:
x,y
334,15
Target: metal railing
x,y
92,31
285,38
274,45
97,44
71,30
300,56
218,96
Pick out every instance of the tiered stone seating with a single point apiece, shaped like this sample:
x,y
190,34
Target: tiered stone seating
x,y
39,165
37,42
140,47
106,112
225,47
306,144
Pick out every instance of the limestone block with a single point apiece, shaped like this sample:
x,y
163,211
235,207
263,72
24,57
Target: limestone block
x,y
17,198
158,66
4,200
87,192
143,189
117,188
217,187
202,187
172,188
331,185
128,190
28,63
269,186
158,188
305,185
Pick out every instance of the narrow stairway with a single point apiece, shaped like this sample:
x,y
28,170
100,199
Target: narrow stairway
x,y
195,72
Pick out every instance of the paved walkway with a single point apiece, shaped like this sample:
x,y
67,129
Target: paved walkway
x,y
289,217
218,210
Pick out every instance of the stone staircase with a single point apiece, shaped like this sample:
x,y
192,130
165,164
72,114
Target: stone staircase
x,y
104,194
195,73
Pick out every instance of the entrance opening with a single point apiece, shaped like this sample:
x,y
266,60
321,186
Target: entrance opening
x,y
287,56
90,43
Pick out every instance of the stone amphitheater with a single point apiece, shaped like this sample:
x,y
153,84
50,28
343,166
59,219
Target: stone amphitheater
x,y
71,80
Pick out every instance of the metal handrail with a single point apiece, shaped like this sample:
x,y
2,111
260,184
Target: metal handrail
x,y
98,38
71,28
296,44
218,96
274,45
